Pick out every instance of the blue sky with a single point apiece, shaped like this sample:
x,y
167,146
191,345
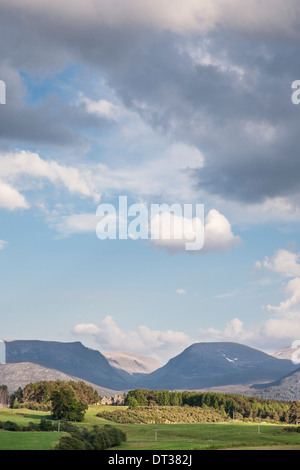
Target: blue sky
x,y
188,105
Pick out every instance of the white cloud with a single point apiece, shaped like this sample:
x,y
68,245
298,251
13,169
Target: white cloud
x,y
282,262
109,336
218,236
233,331
68,225
267,335
180,292
285,327
17,168
286,264
86,329
11,199
100,107
292,292
167,173
3,244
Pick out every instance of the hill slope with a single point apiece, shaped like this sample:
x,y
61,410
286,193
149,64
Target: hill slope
x,y
21,374
287,353
216,364
286,388
132,363
70,358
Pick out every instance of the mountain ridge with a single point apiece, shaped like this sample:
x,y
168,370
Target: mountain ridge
x,y
217,364
72,358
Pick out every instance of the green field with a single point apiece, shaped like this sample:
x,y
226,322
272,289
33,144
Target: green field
x,y
235,434
28,440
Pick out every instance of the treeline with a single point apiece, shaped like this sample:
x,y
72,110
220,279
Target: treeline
x,y
37,396
232,405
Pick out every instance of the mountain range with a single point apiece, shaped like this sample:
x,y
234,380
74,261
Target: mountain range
x,y
200,366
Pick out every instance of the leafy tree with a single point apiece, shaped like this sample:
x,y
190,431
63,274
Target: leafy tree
x,y
139,395
66,406
132,403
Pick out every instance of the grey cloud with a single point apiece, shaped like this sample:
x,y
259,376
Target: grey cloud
x,y
236,109
50,122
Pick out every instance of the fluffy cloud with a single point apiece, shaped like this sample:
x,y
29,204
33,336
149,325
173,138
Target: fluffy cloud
x,y
109,336
100,107
292,292
286,264
11,198
266,335
166,231
218,236
282,262
25,170
233,331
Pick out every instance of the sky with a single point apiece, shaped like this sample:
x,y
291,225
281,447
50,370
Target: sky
x,y
165,102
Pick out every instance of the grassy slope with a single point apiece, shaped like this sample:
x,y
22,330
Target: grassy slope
x,y
169,436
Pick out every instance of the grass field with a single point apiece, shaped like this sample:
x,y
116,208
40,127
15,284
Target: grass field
x,y
28,440
235,434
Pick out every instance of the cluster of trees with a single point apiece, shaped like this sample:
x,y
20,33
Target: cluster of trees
x,y
67,400
38,396
232,405
96,439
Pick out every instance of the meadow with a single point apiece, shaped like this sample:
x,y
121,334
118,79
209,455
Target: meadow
x,y
191,436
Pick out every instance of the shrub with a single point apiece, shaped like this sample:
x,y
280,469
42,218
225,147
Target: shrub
x,y
11,426
46,425
71,443
97,439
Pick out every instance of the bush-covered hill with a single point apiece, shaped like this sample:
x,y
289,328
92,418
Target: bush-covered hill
x,y
163,415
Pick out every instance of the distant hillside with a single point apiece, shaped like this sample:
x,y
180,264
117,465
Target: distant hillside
x,y
286,353
200,366
216,364
286,388
21,374
132,363
70,358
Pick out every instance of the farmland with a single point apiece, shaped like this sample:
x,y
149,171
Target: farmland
x,y
173,436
